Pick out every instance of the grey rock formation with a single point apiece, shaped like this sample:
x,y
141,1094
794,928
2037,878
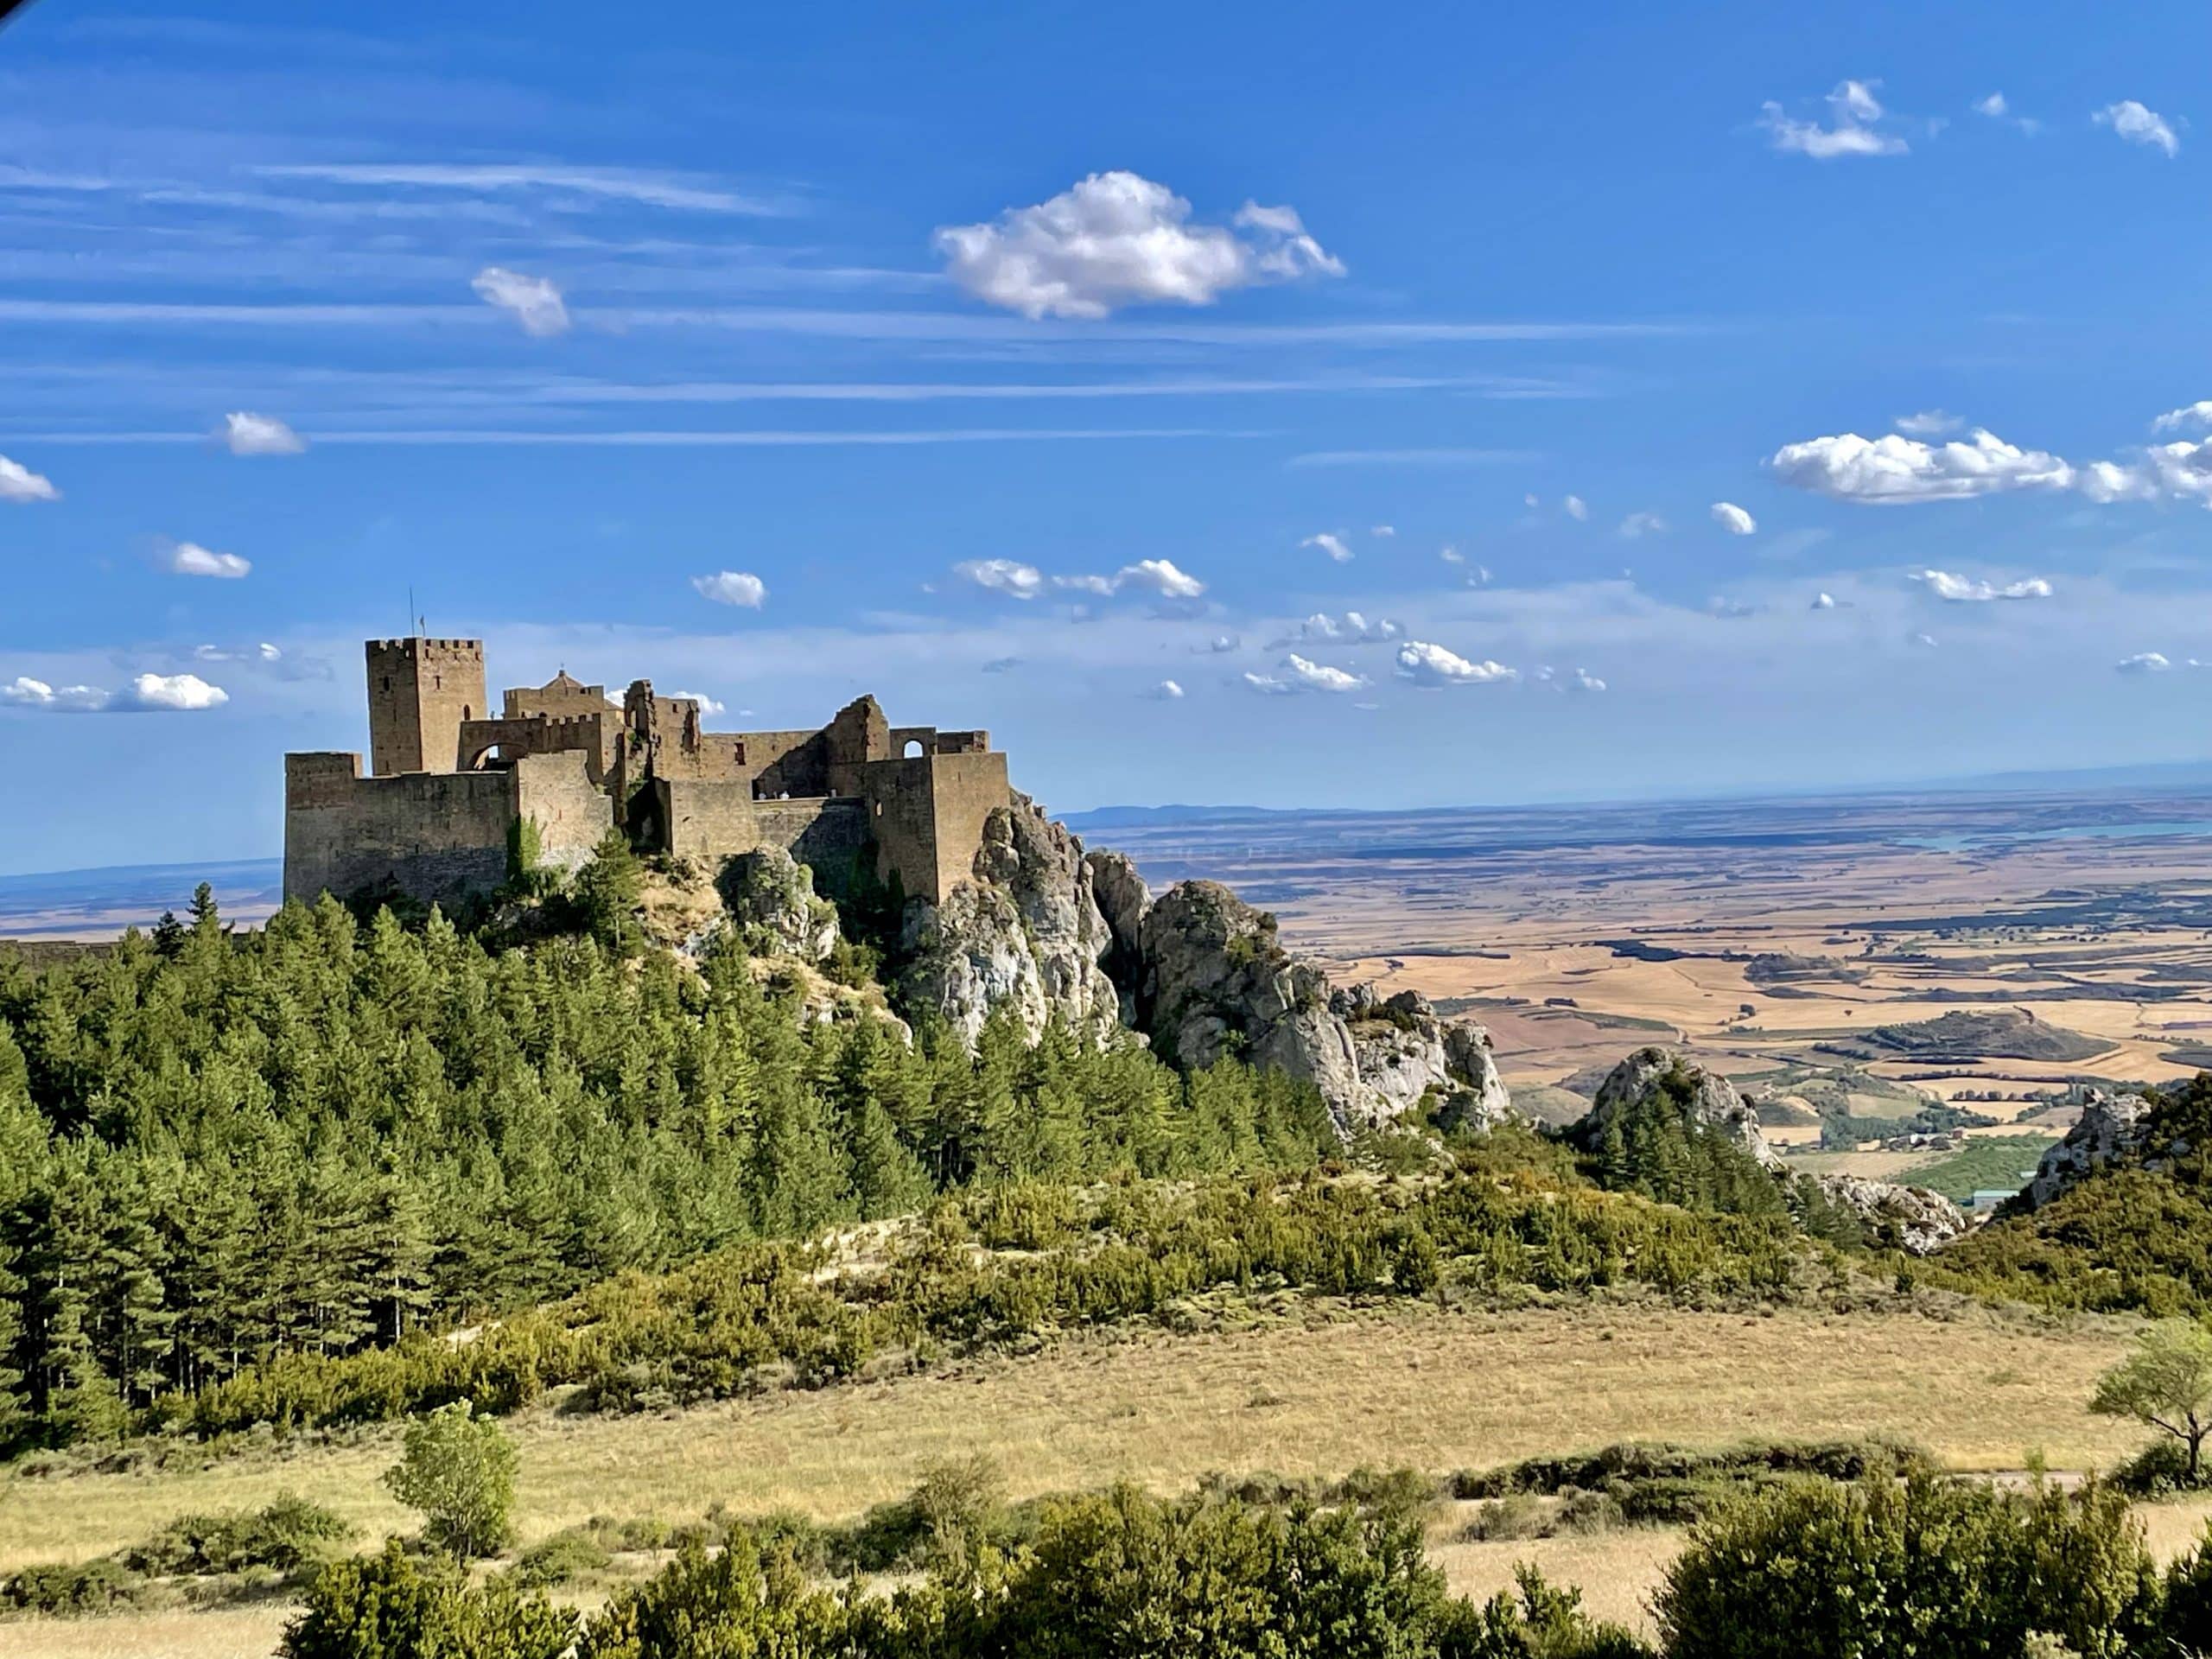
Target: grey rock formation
x,y
1215,979
2109,1131
1708,1099
1919,1220
1026,932
771,903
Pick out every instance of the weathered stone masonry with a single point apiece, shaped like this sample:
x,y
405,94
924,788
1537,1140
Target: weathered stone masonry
x,y
450,780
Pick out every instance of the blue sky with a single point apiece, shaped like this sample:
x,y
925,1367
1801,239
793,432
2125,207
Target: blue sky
x,y
1450,403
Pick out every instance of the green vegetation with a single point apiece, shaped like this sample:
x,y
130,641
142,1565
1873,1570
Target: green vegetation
x,y
459,1469
1986,1163
2166,1384
248,1549
765,1313
231,1156
1657,1147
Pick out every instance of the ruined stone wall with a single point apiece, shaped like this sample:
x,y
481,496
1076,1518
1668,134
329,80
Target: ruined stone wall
x,y
439,837
926,814
714,821
421,691
592,734
559,794
554,699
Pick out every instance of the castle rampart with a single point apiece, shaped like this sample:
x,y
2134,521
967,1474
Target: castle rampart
x,y
451,781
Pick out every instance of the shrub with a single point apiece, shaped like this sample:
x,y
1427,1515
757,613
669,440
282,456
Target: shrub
x,y
286,1535
390,1606
1880,1567
459,1469
73,1590
562,1559
1536,1620
739,1600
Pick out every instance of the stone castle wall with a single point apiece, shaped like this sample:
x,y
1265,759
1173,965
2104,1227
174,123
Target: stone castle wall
x,y
421,691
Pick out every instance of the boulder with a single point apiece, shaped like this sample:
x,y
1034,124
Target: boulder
x,y
771,903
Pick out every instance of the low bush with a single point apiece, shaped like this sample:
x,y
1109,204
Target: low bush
x,y
285,1535
392,1607
71,1590
562,1559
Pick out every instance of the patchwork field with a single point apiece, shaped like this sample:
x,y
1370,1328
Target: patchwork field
x,y
1780,940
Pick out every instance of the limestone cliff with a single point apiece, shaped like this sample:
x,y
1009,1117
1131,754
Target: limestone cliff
x,y
1025,932
2109,1131
771,900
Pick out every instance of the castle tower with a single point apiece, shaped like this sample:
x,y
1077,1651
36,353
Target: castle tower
x,y
420,691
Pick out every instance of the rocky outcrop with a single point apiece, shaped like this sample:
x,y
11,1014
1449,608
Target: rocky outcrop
x,y
1910,1217
1026,933
1214,979
1705,1098
772,905
2109,1131
1913,1217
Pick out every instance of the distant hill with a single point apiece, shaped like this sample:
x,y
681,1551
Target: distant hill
x,y
100,903
1971,1034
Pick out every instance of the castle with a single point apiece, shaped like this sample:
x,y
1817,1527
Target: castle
x,y
452,786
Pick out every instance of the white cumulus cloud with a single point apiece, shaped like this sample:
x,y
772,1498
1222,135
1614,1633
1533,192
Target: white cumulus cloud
x,y
2196,417
190,559
1161,577
1433,666
1354,629
709,707
1115,240
244,434
1296,673
733,588
1823,602
1733,520
1331,544
1966,590
18,483
260,653
533,301
1895,469
2144,662
1639,525
1854,111
1928,423
1577,508
1166,691
146,694
2138,126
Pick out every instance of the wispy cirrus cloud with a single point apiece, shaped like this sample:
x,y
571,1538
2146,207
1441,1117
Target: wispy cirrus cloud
x,y
1854,126
652,189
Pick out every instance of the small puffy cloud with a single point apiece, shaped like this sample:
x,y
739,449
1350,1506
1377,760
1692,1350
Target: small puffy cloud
x,y
1992,107
1894,469
2180,469
709,707
1295,674
1001,664
243,434
1332,545
1965,590
2138,126
1161,577
146,694
1733,520
1584,680
1638,526
1354,629
2144,662
2190,417
1577,509
1925,641
1220,645
1822,602
1452,556
1729,610
739,588
533,301
1928,423
186,693
1382,530
1166,691
1432,666
1102,586
1115,240
190,559
19,484
1854,111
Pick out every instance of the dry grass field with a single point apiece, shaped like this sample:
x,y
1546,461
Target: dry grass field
x,y
1321,1395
